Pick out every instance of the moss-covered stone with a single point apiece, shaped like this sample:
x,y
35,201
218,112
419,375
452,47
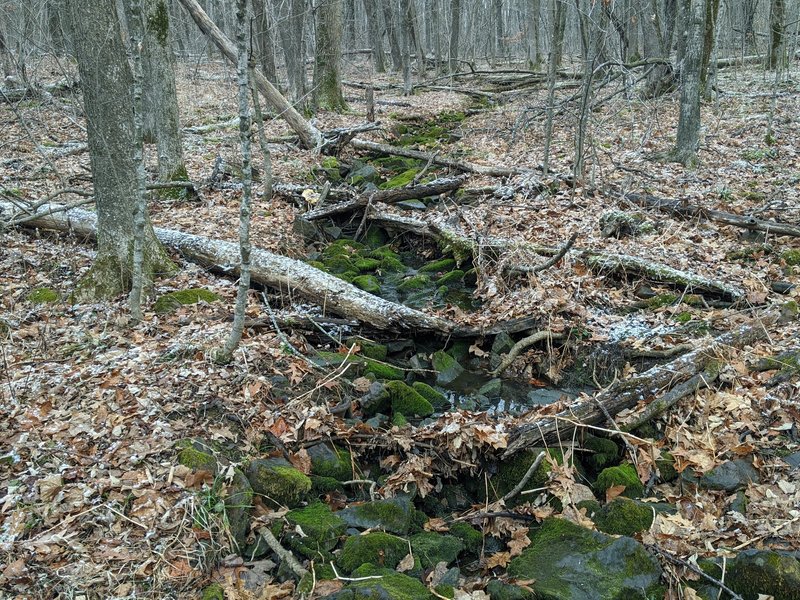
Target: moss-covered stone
x,y
605,453
320,486
377,548
512,471
406,401
469,536
320,527
395,515
401,180
432,548
43,296
399,420
414,283
566,561
366,264
791,257
453,277
213,592
330,461
499,590
174,300
378,369
382,370
322,572
375,236
390,585
623,516
666,467
343,247
277,481
368,283
370,349
438,266
757,572
625,475
392,264
238,498
437,399
195,459
447,368
661,300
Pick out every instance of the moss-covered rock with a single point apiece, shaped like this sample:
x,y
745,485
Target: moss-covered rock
x,y
625,475
369,348
791,257
499,590
213,592
447,368
390,585
320,486
511,472
396,515
196,459
605,453
432,548
437,399
382,370
320,527
238,498
414,283
174,300
375,236
377,548
330,461
401,180
322,572
453,277
43,296
366,264
566,561
623,516
438,266
470,537
277,481
405,400
368,283
666,467
391,264
757,572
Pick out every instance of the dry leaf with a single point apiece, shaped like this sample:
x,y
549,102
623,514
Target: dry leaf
x,y
406,564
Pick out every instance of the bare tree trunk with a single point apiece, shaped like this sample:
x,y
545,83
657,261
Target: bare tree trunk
x,y
137,42
709,39
291,16
455,33
687,140
559,11
374,34
777,29
264,40
391,33
499,29
328,57
310,137
107,83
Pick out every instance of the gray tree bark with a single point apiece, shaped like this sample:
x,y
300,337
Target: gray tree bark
x,y
263,37
291,20
777,27
328,57
391,33
455,33
374,34
107,83
688,136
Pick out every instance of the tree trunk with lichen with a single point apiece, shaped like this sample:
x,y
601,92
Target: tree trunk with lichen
x,y
688,137
328,60
107,83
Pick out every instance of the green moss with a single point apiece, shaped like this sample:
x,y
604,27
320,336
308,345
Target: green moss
x,y
662,300
366,264
443,264
455,276
512,471
623,516
324,485
757,572
343,247
322,572
432,548
376,547
606,452
370,349
383,252
401,180
337,464
406,401
469,536
43,296
278,482
213,592
174,300
399,420
391,585
791,257
414,283
437,399
666,467
195,459
749,253
330,162
368,283
382,370
375,237
158,23
320,526
451,117
683,317
339,264
447,368
624,474
392,265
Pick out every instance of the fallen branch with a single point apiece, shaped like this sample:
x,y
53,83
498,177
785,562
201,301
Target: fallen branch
x,y
285,556
646,387
691,211
695,569
522,345
531,470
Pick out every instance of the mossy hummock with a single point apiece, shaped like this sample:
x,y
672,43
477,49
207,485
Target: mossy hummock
x,y
624,475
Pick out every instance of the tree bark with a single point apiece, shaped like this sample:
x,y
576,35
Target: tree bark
x,y
455,33
328,57
310,137
291,14
374,34
777,26
263,37
688,136
107,84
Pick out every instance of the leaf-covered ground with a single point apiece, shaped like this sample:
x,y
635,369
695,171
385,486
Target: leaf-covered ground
x,y
93,499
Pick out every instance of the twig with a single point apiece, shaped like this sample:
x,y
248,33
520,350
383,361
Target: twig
x,y
666,353
366,578
528,474
372,485
564,249
282,552
522,345
695,569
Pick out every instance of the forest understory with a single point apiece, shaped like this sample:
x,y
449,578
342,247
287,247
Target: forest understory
x,y
664,335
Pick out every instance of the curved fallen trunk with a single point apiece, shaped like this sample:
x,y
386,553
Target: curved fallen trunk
x,y
268,269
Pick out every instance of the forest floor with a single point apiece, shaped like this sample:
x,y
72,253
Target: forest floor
x,y
93,503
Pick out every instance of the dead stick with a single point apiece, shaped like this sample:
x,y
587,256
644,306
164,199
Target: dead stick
x,y
698,570
282,552
525,343
531,470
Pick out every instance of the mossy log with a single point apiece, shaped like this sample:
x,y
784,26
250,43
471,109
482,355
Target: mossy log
x,y
339,297
692,211
648,387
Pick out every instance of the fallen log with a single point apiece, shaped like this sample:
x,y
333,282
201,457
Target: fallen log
x,y
423,190
335,295
617,263
648,387
493,171
692,211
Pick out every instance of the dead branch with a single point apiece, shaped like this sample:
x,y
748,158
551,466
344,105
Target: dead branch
x,y
646,387
522,345
531,470
282,552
